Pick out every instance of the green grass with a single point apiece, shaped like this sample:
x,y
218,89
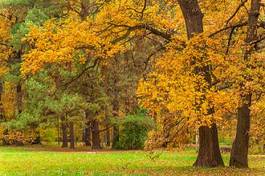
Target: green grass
x,y
17,161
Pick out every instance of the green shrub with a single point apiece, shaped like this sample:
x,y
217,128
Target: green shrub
x,y
133,131
49,135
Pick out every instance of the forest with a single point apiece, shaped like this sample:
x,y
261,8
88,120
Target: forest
x,y
135,87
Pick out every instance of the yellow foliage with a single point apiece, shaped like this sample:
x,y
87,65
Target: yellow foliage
x,y
195,82
64,42
178,84
9,99
5,50
15,137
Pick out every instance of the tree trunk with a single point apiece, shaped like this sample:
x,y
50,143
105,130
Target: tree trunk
x,y
193,17
239,152
64,133
1,104
84,9
37,139
115,113
19,98
95,135
72,135
87,135
107,136
107,125
209,153
116,136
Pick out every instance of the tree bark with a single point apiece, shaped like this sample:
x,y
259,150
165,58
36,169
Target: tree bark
x,y
72,135
116,136
193,16
84,9
209,152
95,135
107,136
239,152
87,135
64,133
115,113
19,98
107,131
37,139
1,104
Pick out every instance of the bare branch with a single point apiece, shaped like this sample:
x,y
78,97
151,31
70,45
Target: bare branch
x,y
142,12
238,25
236,11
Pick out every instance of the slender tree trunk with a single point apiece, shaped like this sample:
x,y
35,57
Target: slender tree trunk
x,y
115,113
72,135
19,98
64,133
107,125
95,135
107,136
37,139
87,135
58,132
209,152
116,136
239,153
1,104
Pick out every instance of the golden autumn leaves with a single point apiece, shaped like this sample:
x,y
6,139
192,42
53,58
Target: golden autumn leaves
x,y
5,50
102,35
64,42
176,87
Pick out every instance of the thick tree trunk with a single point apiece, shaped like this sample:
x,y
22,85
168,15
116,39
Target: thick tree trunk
x,y
95,135
239,153
87,135
193,16
209,153
64,133
72,135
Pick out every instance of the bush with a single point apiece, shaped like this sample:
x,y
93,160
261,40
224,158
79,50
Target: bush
x,y
49,135
15,137
133,131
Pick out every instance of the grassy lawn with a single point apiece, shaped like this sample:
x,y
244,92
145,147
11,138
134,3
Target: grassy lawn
x,y
17,161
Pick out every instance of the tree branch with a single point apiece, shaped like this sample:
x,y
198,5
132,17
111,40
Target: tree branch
x,y
236,11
